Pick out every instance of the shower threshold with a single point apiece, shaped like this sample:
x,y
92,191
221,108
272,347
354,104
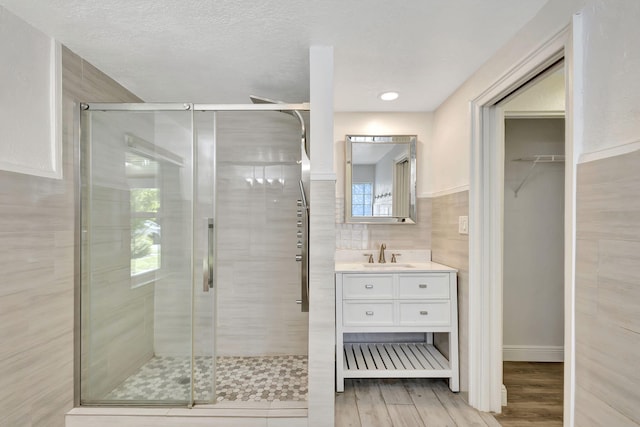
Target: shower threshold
x,y
276,414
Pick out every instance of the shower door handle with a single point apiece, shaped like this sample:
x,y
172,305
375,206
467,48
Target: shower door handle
x,y
208,262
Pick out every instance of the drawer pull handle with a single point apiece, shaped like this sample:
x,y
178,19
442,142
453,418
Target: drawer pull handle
x,y
424,312
422,285
369,313
368,286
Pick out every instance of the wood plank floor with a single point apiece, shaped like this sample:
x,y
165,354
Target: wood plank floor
x,y
534,394
405,403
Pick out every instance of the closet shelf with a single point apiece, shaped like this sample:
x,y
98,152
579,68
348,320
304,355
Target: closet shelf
x,y
538,158
542,158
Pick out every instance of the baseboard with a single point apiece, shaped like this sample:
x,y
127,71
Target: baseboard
x,y
504,395
532,353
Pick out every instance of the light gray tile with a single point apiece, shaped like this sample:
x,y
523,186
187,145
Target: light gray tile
x,y
451,248
607,292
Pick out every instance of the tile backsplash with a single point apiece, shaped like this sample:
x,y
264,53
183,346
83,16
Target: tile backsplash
x,y
349,236
370,236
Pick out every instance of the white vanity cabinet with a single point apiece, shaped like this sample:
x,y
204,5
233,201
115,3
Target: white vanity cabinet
x,y
372,301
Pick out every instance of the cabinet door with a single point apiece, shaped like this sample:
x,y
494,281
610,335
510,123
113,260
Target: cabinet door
x,y
424,286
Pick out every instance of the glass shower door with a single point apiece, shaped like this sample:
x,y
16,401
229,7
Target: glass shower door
x,y
137,256
189,280
261,332
204,291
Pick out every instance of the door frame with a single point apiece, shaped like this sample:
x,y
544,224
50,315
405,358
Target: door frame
x,y
486,212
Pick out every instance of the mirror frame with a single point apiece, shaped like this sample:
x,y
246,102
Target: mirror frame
x,y
411,142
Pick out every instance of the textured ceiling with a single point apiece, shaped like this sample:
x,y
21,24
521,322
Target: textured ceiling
x,y
221,51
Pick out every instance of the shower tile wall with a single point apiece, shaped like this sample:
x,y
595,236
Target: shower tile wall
x,y
173,293
363,236
258,279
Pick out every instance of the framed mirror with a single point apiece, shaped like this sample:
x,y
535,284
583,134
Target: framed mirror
x,y
380,179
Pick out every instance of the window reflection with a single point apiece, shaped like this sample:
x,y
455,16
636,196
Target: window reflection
x,y
361,202
146,231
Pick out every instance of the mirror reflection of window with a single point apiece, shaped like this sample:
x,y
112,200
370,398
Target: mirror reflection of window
x,y
362,199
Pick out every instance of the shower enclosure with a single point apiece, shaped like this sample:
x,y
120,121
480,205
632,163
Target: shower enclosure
x,y
193,231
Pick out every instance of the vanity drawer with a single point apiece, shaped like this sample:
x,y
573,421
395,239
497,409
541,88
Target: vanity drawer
x,y
367,286
367,313
432,313
424,286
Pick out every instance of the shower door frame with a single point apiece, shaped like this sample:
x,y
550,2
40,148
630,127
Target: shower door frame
x,y
78,182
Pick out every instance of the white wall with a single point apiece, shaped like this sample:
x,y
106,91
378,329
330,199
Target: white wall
x,y
29,100
385,170
384,124
610,98
545,95
452,120
362,236
612,64
533,242
364,173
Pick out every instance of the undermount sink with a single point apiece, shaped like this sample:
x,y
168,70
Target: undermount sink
x,y
388,265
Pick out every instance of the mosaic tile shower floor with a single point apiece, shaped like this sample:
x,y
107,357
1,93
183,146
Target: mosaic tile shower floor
x,y
259,379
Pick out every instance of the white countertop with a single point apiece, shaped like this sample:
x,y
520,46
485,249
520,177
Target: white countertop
x,y
411,267
409,261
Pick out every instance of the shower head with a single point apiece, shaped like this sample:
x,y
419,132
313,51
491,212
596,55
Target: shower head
x,y
263,100
294,113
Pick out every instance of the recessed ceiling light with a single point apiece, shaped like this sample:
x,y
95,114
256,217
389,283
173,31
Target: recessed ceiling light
x,y
389,96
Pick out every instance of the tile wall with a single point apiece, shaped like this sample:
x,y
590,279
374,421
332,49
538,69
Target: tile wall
x,y
607,294
451,248
365,236
322,320
258,279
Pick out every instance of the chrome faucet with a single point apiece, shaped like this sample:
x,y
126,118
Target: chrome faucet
x,y
381,259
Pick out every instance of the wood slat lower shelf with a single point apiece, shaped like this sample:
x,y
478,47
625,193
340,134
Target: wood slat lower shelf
x,y
394,360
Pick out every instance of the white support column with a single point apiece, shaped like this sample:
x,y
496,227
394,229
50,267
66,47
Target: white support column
x,y
321,241
321,98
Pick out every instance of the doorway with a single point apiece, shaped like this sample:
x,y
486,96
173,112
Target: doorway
x,y
486,225
533,256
